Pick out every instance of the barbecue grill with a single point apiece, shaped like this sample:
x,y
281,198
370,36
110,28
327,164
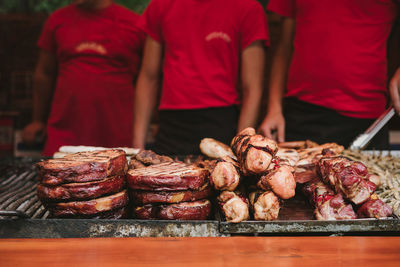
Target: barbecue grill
x,y
23,216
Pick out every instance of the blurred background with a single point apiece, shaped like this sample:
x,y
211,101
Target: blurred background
x,y
21,22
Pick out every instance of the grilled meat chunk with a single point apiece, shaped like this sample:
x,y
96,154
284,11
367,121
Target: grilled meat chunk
x,y
82,167
197,210
347,177
328,205
169,176
215,149
374,208
225,174
139,197
81,191
234,206
149,157
264,205
254,152
89,207
279,179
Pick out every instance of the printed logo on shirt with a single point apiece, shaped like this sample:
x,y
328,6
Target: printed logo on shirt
x,y
220,35
91,46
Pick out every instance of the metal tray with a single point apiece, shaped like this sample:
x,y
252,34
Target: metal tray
x,y
295,218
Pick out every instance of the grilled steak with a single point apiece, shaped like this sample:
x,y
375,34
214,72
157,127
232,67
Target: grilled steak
x,y
89,207
197,210
82,167
149,197
81,191
170,176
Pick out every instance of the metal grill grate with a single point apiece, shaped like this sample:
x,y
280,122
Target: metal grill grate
x,y
18,191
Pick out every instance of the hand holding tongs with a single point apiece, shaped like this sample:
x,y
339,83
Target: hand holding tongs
x,y
363,139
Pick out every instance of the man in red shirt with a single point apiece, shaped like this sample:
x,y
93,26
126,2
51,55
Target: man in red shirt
x,y
89,57
332,60
203,48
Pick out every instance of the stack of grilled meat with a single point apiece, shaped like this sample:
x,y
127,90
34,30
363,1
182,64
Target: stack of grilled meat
x,y
85,185
161,188
254,171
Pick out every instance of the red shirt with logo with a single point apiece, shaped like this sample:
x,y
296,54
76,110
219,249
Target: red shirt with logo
x,y
98,55
339,58
202,43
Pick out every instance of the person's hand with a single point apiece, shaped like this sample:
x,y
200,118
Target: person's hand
x,y
394,88
33,132
274,121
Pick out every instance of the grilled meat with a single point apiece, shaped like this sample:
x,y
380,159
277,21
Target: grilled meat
x,y
139,197
225,174
374,208
82,167
81,191
89,207
279,179
215,149
197,210
347,177
264,205
170,176
234,206
328,205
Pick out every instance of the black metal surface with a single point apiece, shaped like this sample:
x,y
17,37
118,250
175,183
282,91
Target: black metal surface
x,y
18,197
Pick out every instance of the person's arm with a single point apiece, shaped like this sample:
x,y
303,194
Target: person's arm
x,y
274,119
394,88
252,71
44,79
146,91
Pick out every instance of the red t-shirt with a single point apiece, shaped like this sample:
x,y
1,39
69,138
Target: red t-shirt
x,y
98,55
339,58
202,44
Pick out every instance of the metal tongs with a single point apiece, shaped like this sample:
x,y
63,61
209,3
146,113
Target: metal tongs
x,y
363,139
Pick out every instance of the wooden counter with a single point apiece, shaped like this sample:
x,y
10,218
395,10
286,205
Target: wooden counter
x,y
221,251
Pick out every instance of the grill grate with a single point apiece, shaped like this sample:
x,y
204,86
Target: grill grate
x,y
18,190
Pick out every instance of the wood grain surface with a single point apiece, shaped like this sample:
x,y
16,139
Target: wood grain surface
x,y
221,251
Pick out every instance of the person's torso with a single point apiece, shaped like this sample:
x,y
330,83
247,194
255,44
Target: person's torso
x,y
98,57
339,58
202,53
